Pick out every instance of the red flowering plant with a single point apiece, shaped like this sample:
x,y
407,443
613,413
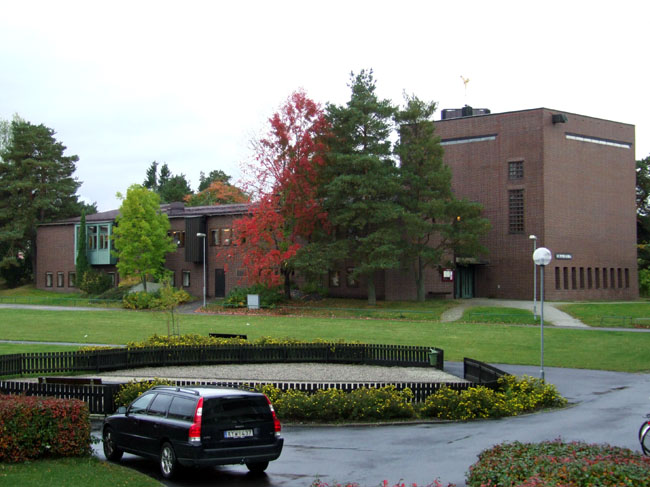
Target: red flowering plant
x,y
283,180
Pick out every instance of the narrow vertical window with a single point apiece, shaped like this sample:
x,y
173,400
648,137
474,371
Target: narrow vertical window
x,y
582,278
627,278
214,237
335,279
573,278
590,281
597,275
60,279
612,277
186,278
557,278
565,272
49,278
604,277
72,279
516,211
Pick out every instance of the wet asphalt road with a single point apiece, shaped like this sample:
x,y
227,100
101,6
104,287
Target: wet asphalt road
x,y
608,408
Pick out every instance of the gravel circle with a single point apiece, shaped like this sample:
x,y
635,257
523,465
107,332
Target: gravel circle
x,y
298,372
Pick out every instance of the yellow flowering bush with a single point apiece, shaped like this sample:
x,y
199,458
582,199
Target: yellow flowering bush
x,y
132,389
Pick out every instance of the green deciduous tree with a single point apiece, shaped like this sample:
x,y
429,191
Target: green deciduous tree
x,y
36,186
214,176
360,189
141,235
435,225
643,212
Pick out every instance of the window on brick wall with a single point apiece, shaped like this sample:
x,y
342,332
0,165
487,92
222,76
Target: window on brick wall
x,y
558,280
350,280
335,279
627,278
60,279
516,211
72,279
49,279
516,170
178,237
604,277
186,278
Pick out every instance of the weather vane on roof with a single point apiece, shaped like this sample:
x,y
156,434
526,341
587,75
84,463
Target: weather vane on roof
x,y
465,81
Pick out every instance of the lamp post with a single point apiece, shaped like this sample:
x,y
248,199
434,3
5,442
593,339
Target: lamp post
x,y
203,236
534,239
542,257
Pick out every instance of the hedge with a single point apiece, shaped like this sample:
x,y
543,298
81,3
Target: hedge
x,y
35,427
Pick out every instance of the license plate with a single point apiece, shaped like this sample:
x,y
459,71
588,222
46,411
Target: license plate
x,y
238,433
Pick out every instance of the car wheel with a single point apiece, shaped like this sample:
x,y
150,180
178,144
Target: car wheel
x,y
168,463
111,451
257,467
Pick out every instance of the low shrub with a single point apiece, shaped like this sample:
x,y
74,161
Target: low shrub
x,y
269,296
35,427
95,282
513,396
132,389
146,300
331,405
554,463
193,339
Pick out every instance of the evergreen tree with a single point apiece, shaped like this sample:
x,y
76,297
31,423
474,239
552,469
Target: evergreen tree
x,y
215,176
82,264
361,184
435,226
36,186
151,181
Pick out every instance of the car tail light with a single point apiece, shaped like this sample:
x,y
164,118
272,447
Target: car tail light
x,y
277,427
195,429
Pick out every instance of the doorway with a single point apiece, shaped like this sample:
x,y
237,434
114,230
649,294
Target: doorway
x,y
465,282
219,283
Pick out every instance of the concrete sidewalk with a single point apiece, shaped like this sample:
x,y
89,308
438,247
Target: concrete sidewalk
x,y
551,313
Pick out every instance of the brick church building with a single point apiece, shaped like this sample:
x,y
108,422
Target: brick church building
x,y
544,177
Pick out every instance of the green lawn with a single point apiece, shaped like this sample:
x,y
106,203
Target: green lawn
x,y
493,343
492,314
631,315
72,472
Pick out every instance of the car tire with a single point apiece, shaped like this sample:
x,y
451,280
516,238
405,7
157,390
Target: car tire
x,y
168,462
257,467
111,451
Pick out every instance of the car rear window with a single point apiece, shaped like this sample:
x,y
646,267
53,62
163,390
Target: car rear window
x,y
239,408
182,408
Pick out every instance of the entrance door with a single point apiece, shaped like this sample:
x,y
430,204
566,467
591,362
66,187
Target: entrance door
x,y
219,283
465,282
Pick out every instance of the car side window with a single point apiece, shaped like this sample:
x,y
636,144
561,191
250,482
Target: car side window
x,y
182,408
139,406
160,405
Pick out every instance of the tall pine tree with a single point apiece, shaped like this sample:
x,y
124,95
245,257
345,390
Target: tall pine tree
x,y
36,186
361,184
435,225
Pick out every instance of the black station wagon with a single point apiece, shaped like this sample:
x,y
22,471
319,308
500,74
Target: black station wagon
x,y
196,426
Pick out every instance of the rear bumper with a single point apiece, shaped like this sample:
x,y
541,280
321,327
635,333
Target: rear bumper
x,y
200,456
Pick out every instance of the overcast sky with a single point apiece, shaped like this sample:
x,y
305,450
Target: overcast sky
x,y
124,83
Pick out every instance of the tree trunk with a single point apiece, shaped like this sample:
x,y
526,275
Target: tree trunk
x,y
372,293
419,279
287,284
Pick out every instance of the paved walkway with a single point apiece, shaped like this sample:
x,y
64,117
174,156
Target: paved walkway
x,y
551,313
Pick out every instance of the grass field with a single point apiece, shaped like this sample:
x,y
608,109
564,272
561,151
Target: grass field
x,y
631,315
72,472
493,343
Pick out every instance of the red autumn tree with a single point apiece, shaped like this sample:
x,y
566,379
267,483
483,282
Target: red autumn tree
x,y
284,179
217,193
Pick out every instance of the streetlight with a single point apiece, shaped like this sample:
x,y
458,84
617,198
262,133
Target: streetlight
x,y
203,235
542,257
534,239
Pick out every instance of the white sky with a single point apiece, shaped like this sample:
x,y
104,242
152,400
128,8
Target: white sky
x,y
124,83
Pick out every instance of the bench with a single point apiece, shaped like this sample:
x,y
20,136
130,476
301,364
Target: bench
x,y
228,335
79,381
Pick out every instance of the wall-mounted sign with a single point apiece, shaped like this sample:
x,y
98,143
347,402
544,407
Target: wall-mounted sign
x,y
563,256
447,275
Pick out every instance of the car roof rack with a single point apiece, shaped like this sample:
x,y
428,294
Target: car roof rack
x,y
178,389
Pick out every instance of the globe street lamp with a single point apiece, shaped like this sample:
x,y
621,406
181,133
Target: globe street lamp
x,y
534,239
203,236
542,257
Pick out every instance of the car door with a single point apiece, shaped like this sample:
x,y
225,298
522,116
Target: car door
x,y
153,425
131,430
